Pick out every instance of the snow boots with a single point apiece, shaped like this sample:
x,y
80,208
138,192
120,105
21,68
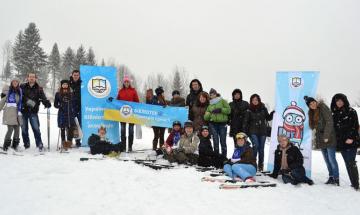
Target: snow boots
x,y
7,143
353,174
15,143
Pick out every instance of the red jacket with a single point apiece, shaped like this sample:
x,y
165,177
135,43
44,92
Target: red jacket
x,y
128,94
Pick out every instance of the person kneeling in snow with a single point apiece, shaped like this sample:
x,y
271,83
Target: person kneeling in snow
x,y
207,156
288,162
100,145
187,152
243,163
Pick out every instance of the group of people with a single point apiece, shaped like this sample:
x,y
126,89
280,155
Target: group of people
x,y
336,128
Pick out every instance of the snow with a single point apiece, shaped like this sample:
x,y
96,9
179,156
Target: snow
x,y
57,183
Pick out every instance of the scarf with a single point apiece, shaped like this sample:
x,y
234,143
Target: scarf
x,y
11,99
176,138
296,129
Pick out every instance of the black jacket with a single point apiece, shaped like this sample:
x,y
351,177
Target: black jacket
x,y
237,116
192,97
76,89
346,123
98,146
207,156
33,95
294,159
255,121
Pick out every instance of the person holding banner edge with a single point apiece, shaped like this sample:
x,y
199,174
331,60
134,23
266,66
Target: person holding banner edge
x,y
75,85
320,120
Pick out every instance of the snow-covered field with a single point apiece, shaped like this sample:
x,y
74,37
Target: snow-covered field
x,y
60,184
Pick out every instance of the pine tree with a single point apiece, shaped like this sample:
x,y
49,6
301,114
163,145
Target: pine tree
x,y
18,53
177,83
67,63
7,70
54,66
103,62
90,57
80,58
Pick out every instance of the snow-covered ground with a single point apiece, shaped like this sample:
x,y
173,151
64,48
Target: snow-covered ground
x,y
60,184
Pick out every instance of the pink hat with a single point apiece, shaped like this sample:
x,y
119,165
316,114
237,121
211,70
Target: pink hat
x,y
126,78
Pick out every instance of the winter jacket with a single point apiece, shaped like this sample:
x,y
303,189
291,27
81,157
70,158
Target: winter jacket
x,y
128,94
346,124
66,114
243,155
189,144
223,116
325,128
294,159
193,95
197,114
33,95
207,157
156,101
11,105
255,121
237,115
76,89
173,138
98,146
178,102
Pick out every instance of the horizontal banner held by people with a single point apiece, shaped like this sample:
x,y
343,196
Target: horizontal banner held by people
x,y
144,114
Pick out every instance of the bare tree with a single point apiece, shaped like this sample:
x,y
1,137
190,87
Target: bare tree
x,y
6,53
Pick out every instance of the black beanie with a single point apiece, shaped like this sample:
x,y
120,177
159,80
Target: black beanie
x,y
308,100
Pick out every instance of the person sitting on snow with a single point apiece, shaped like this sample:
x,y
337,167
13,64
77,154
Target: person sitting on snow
x,y
242,163
99,144
207,156
172,142
187,152
288,162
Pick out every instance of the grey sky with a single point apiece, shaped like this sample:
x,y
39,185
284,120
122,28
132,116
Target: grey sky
x,y
226,44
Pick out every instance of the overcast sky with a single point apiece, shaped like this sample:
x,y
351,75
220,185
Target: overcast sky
x,y
227,44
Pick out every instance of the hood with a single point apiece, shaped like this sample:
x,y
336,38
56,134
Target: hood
x,y
335,98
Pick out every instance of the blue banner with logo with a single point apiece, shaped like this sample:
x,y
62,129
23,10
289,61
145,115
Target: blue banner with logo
x,y
291,113
144,114
98,83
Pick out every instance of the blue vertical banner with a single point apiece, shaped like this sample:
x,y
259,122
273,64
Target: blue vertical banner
x,y
291,113
98,83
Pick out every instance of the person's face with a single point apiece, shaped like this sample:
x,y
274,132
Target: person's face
x,y
202,99
76,76
237,96
205,133
195,86
14,83
255,101
175,96
102,133
177,128
189,130
240,142
313,105
212,96
65,85
283,141
126,84
31,78
340,103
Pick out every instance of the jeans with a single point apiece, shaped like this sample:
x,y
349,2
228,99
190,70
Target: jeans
x,y
329,155
349,155
296,176
241,170
218,131
35,125
258,143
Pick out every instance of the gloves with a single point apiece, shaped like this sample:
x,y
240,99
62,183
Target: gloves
x,y
216,111
19,113
47,104
272,114
110,99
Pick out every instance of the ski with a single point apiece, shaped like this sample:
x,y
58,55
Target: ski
x,y
9,153
240,185
220,180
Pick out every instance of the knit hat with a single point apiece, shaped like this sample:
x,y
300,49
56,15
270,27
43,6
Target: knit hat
x,y
293,108
176,123
213,91
126,78
64,82
189,123
308,100
159,91
175,92
241,135
204,127
15,79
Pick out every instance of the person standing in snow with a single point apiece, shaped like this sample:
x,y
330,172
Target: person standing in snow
x,y
255,124
11,105
288,162
238,111
197,112
195,89
217,114
320,120
159,132
346,125
64,101
242,163
75,85
33,94
176,101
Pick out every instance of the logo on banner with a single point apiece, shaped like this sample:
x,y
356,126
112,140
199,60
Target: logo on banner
x,y
99,87
296,82
126,111
293,124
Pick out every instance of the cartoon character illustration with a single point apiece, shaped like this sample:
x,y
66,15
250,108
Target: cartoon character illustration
x,y
293,125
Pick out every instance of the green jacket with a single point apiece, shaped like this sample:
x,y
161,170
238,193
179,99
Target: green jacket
x,y
223,116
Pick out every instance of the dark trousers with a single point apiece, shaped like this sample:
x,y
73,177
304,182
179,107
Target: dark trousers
x,y
68,133
130,135
159,133
349,156
295,176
